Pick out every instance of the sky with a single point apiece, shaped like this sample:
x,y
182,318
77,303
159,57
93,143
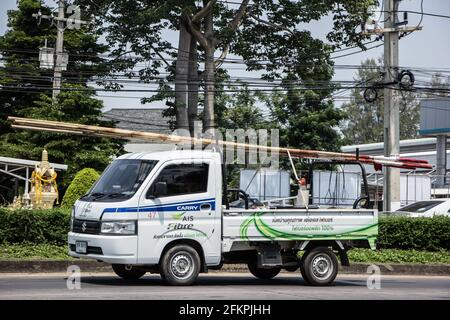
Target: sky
x,y
428,48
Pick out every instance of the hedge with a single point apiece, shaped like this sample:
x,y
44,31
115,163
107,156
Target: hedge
x,y
80,185
36,226
430,234
51,226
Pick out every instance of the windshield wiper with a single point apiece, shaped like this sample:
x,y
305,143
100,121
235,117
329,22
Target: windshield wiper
x,y
116,195
96,195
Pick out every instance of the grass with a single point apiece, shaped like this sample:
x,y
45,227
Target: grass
x,y
399,256
31,251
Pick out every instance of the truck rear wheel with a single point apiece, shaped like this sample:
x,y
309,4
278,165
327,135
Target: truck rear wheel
x,y
127,272
263,273
319,266
180,265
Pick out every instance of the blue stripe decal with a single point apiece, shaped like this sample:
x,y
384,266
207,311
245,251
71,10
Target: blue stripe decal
x,y
179,207
193,205
182,202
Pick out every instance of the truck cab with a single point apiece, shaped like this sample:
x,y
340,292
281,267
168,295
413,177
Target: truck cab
x,y
163,197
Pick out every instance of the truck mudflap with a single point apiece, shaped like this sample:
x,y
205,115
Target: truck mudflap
x,y
344,258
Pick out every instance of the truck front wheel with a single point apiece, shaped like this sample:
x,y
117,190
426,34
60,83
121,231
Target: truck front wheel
x,y
127,272
263,273
180,265
319,266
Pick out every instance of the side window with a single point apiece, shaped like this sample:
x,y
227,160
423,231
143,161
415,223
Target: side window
x,y
183,179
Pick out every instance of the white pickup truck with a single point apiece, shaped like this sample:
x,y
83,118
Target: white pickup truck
x,y
164,212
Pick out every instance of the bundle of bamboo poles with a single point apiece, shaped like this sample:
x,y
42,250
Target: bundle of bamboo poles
x,y
81,129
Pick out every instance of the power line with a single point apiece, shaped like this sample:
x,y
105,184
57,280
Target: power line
x,y
274,89
83,71
352,53
226,61
429,14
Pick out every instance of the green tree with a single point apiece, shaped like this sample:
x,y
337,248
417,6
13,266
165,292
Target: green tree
x,y
20,76
77,152
19,48
267,35
243,109
306,118
364,123
80,185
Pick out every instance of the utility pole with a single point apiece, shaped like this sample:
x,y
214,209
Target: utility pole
x,y
57,74
392,28
72,22
391,186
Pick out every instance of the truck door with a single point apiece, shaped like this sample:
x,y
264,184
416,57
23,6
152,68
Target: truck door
x,y
179,203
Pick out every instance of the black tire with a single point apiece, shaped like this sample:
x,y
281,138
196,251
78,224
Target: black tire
x,y
263,273
319,266
127,272
175,261
302,270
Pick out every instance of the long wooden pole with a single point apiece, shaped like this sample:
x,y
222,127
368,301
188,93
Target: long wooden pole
x,y
81,129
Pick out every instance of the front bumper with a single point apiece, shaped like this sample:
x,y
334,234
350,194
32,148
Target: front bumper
x,y
110,249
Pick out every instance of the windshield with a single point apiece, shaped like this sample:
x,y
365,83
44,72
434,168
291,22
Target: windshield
x,y
121,179
420,206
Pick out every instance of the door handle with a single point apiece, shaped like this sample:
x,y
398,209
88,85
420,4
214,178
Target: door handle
x,y
205,207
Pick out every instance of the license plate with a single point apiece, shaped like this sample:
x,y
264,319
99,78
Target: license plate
x,y
81,247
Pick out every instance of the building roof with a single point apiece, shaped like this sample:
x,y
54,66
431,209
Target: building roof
x,y
406,146
28,163
435,117
143,119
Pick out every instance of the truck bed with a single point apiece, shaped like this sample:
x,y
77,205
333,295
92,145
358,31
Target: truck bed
x,y
300,224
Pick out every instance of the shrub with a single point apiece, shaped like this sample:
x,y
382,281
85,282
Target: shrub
x,y
51,226
430,234
37,226
80,185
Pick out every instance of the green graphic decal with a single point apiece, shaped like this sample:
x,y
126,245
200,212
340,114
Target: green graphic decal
x,y
178,216
369,231
244,226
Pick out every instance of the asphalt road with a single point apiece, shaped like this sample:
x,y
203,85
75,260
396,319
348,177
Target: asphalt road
x,y
227,286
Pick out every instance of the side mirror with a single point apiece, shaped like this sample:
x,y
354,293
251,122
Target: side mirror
x,y
160,189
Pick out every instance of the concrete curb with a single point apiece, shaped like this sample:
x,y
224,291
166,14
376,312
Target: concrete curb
x,y
34,266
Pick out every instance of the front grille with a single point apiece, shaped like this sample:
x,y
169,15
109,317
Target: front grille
x,y
90,227
90,250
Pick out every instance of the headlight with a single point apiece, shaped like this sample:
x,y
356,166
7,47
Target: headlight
x,y
119,227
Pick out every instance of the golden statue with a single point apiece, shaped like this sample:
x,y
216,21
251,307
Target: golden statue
x,y
44,190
